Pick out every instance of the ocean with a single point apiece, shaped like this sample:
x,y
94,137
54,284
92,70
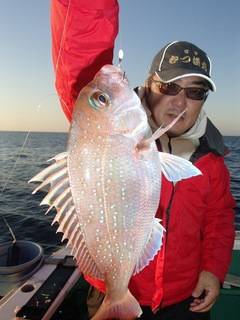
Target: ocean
x,y
22,155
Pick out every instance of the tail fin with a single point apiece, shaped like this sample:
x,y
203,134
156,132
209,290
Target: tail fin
x,y
127,308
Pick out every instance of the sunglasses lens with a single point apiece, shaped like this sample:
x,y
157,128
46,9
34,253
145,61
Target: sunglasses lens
x,y
171,89
196,93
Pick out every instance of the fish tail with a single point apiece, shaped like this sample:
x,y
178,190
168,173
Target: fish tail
x,y
126,308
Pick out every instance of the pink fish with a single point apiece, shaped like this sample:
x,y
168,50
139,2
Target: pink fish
x,y
106,188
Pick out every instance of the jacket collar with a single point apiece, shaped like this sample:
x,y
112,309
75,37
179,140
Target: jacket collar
x,y
211,141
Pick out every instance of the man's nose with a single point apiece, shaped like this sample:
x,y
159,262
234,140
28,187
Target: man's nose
x,y
180,100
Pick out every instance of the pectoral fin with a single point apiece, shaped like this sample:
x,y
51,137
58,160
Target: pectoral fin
x,y
153,245
175,168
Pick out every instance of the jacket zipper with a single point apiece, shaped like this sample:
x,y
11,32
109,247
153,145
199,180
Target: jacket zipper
x,y
168,211
168,215
172,193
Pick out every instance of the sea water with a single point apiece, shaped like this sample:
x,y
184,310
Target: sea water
x,y
23,155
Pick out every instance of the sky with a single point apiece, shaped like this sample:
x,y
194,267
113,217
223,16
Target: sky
x,y
28,100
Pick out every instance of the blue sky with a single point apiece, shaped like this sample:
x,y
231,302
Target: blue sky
x,y
28,99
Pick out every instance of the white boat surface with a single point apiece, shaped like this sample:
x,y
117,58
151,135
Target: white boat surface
x,y
19,297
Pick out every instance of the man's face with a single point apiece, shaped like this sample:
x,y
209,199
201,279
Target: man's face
x,y
165,108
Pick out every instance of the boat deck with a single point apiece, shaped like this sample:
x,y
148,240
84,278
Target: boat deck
x,y
41,296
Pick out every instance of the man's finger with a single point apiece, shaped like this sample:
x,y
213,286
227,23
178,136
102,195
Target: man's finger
x,y
204,309
205,305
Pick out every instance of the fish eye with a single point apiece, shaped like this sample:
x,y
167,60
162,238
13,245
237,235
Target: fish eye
x,y
102,98
99,100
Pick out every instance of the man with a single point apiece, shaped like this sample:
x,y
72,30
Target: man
x,y
183,281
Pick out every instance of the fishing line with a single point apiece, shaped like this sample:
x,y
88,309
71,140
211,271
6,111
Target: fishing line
x,y
10,230
15,164
10,175
62,38
120,43
60,50
22,147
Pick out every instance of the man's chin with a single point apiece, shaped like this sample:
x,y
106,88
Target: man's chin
x,y
174,133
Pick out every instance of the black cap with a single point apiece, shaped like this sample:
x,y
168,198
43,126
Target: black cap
x,y
180,59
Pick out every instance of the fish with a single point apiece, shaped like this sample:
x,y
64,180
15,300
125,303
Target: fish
x,y
106,188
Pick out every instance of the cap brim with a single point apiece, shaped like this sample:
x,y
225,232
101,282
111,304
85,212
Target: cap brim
x,y
173,75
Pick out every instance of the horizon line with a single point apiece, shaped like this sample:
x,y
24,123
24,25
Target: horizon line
x,y
30,131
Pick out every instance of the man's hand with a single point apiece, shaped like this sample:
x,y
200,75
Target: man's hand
x,y
209,285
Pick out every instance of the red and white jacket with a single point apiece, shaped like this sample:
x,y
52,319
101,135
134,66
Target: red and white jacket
x,y
198,214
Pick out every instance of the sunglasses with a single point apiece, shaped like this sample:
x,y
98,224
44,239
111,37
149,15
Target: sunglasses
x,y
172,89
